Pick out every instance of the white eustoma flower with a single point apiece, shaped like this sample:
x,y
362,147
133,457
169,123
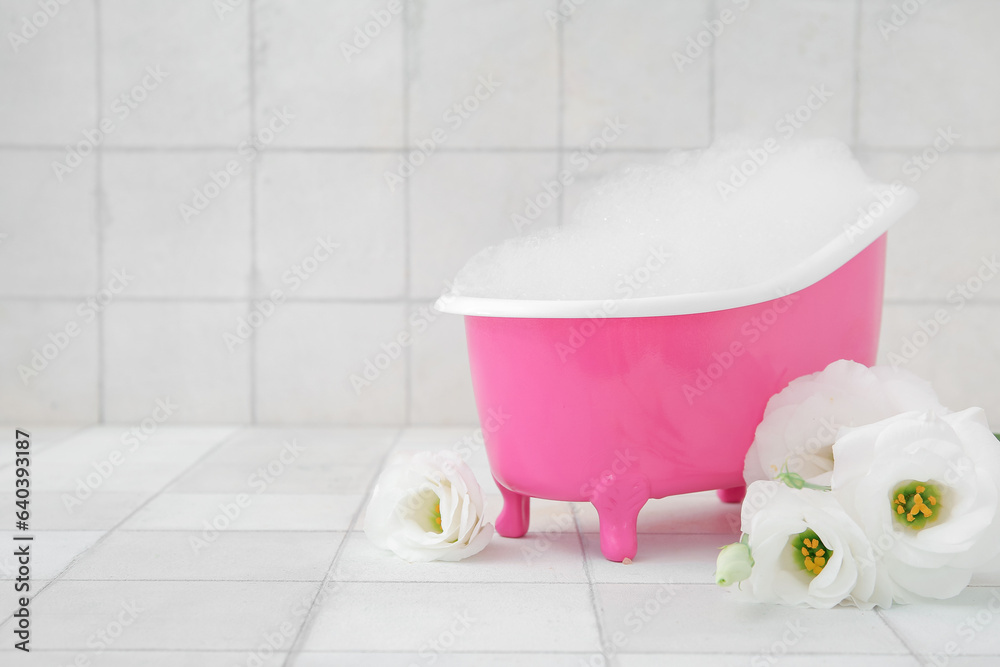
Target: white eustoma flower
x,y
801,422
925,488
428,507
807,551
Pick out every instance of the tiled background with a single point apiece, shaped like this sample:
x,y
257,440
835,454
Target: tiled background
x,y
228,71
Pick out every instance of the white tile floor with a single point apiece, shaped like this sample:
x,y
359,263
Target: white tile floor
x,y
205,547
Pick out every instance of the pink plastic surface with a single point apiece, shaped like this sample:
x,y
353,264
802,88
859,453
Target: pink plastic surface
x,y
616,411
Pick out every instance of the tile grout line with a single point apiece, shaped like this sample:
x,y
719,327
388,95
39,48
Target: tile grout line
x,y
115,527
472,582
195,581
208,148
473,652
407,240
913,654
606,655
303,630
560,116
713,7
252,111
856,101
99,210
513,653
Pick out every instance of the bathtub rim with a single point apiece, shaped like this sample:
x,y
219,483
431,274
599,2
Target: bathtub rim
x,y
835,254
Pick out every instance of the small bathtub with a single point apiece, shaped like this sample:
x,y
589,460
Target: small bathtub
x,y
618,402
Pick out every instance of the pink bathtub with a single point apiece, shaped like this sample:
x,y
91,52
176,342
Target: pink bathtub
x,y
618,402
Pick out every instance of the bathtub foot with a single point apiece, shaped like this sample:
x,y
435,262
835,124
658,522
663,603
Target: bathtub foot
x,y
618,501
732,495
515,515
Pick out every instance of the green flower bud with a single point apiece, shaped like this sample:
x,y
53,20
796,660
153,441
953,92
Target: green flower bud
x,y
734,564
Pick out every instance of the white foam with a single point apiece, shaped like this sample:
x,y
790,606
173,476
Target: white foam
x,y
716,232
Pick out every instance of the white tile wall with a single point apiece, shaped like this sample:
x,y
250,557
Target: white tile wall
x,y
943,241
55,248
50,375
915,338
937,70
783,54
53,65
498,61
300,63
363,90
457,208
328,344
156,350
170,254
618,62
434,340
202,58
341,197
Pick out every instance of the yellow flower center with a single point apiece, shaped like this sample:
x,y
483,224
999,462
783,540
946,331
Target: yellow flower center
x,y
810,552
916,504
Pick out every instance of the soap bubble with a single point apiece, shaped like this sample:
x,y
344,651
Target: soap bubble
x,y
731,215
